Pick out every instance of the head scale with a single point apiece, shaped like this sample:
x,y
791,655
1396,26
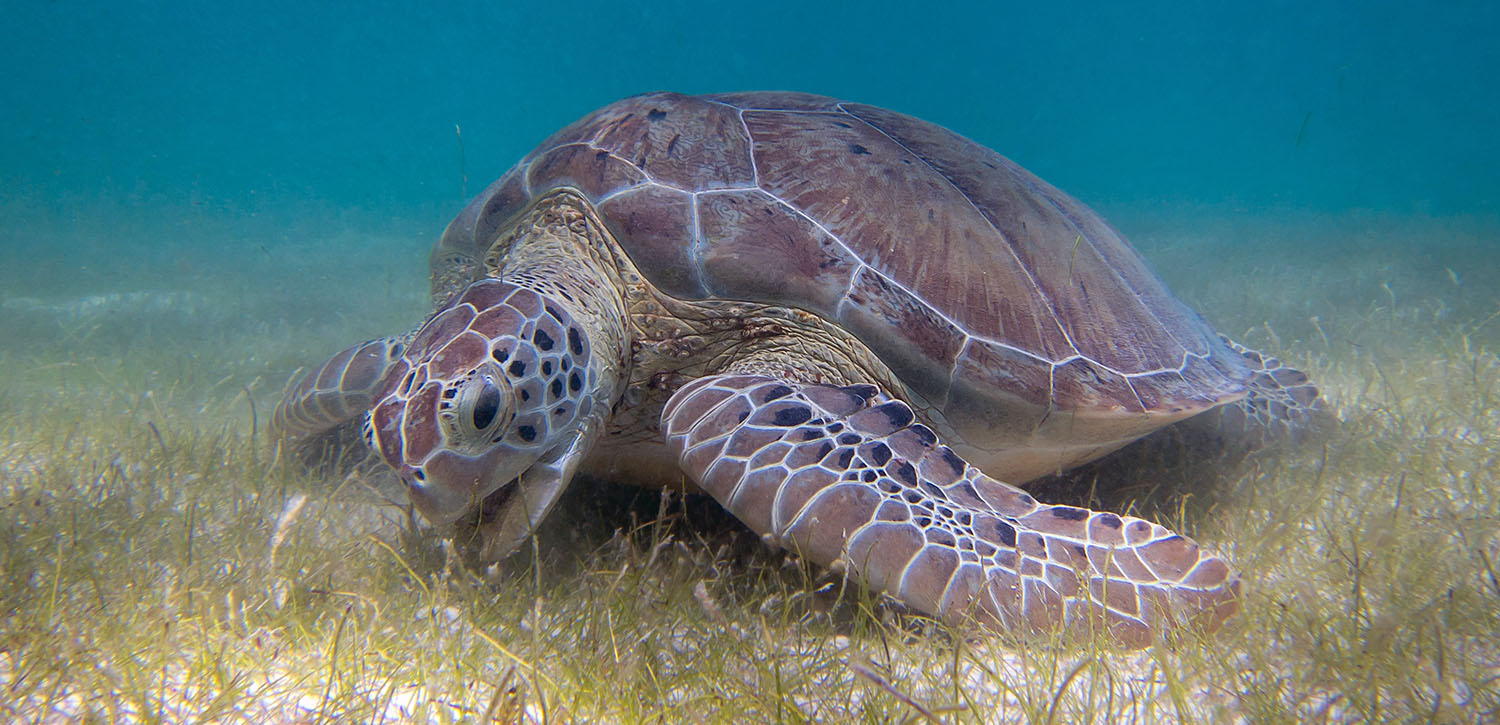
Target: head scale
x,y
491,384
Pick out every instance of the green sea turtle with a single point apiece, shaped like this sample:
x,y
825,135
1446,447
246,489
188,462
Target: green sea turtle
x,y
847,325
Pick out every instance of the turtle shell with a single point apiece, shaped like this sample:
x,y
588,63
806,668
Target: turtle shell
x,y
998,299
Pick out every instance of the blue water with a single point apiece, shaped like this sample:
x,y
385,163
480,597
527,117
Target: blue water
x,y
278,115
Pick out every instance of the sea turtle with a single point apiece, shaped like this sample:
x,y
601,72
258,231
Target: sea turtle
x,y
847,325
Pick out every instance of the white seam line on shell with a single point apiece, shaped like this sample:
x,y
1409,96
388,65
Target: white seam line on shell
x,y
1186,352
622,191
749,139
695,248
1130,382
1051,394
863,266
1113,271
939,313
750,149
838,309
524,171
1036,286
1077,355
646,178
953,369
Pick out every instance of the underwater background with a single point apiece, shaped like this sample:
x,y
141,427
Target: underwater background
x,y
198,198
316,116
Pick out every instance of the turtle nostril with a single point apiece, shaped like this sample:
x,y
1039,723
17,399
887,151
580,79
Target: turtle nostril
x,y
486,406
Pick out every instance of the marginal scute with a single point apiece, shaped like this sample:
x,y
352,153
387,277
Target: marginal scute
x,y
914,339
999,388
593,171
688,143
1068,252
777,100
1084,384
1205,383
493,209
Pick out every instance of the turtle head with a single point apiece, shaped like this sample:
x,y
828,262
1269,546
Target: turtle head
x,y
488,413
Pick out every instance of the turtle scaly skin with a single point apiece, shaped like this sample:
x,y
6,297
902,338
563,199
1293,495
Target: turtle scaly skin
x,y
847,477
716,287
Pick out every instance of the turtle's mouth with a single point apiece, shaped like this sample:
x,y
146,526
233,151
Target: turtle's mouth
x,y
473,531
490,508
507,516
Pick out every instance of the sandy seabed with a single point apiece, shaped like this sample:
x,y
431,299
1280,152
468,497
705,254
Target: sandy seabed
x,y
160,561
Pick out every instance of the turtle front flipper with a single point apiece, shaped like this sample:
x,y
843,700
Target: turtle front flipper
x,y
845,476
324,407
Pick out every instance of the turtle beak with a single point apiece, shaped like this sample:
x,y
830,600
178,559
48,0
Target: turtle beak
x,y
495,500
449,485
510,515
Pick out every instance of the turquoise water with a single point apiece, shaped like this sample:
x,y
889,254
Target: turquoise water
x,y
331,114
288,165
197,199
305,156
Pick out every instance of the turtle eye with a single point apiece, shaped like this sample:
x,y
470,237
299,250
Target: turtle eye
x,y
486,405
474,411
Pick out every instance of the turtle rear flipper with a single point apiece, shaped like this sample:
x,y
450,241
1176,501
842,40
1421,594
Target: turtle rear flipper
x,y
322,409
846,477
1281,404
